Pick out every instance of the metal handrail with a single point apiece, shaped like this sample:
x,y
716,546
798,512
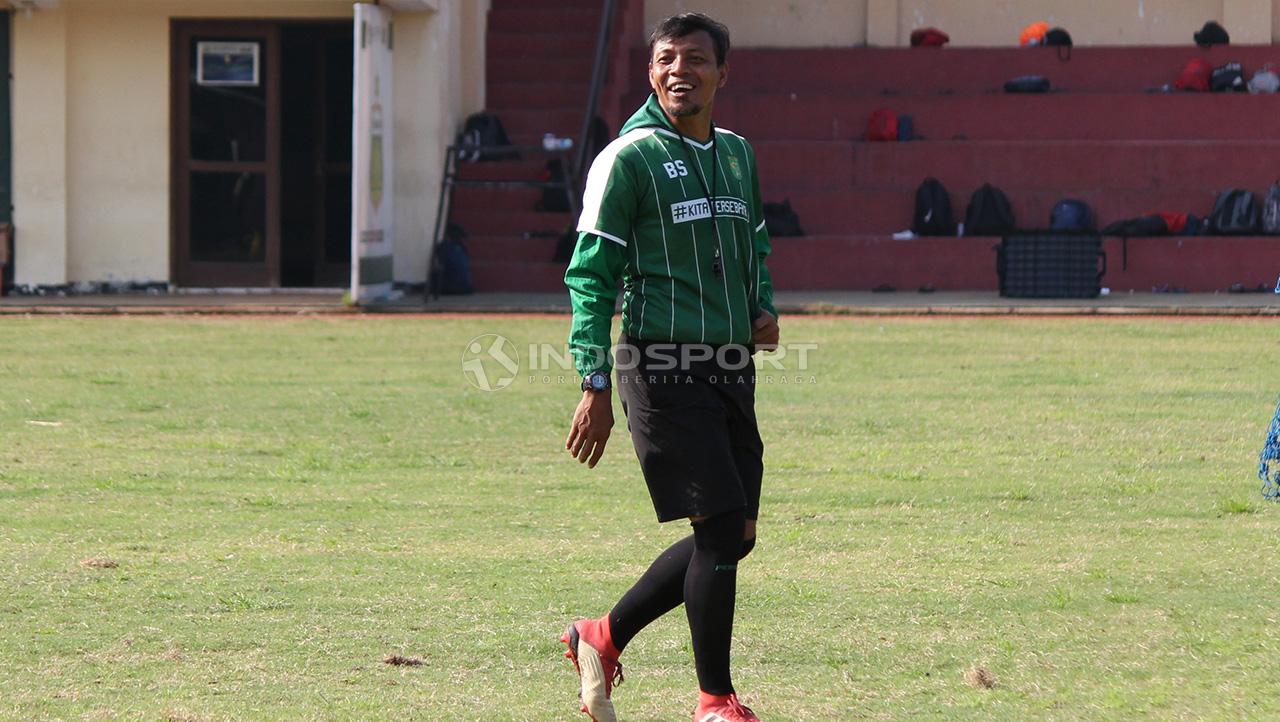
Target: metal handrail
x,y
449,180
599,69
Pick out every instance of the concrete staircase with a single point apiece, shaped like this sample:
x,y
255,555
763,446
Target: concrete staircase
x,y
1104,135
538,56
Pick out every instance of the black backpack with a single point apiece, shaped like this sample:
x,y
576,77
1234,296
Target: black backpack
x,y
1057,36
1271,210
1235,214
781,220
989,213
483,138
1071,216
1211,34
555,199
1228,77
1061,39
933,210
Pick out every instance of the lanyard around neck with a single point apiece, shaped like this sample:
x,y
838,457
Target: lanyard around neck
x,y
697,170
716,265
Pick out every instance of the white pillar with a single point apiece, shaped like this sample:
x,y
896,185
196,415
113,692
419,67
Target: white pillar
x,y
40,146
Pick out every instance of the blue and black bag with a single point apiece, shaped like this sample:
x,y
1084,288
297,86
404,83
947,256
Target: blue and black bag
x,y
1070,215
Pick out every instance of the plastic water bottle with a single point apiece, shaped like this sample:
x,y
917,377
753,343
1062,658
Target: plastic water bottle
x,y
551,142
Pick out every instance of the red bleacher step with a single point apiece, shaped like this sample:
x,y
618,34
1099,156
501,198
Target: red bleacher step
x,y
512,276
485,222
556,18
788,165
1197,264
544,4
503,95
809,115
879,211
863,262
524,70
1067,165
492,200
511,248
902,71
567,41
526,168
563,121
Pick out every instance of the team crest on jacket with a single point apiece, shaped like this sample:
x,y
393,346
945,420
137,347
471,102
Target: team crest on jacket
x,y
734,167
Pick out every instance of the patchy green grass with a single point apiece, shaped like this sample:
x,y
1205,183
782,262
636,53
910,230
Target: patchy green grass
x,y
233,519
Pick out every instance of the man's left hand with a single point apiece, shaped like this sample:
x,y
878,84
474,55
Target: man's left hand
x,y
764,332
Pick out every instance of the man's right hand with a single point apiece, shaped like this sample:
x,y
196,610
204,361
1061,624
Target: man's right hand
x,y
592,423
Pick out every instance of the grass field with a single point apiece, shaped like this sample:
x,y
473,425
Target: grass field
x,y
1069,503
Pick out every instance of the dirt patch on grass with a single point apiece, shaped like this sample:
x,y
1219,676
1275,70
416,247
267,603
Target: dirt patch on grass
x,y
980,678
99,563
398,660
182,716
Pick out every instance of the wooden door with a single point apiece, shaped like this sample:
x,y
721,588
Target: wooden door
x,y
226,154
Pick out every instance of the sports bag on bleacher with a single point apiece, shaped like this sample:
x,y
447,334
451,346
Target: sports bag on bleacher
x,y
882,125
1235,214
484,138
780,219
1072,216
989,213
933,210
1271,211
1264,81
1195,76
1227,77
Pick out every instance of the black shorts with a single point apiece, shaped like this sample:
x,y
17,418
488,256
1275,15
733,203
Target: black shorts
x,y
694,428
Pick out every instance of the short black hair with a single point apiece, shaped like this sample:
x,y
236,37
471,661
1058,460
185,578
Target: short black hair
x,y
678,26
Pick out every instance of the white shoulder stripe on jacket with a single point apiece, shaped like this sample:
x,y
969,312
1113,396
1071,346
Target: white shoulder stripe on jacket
x,y
598,178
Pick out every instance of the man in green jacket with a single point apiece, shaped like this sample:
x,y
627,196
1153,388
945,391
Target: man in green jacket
x,y
672,209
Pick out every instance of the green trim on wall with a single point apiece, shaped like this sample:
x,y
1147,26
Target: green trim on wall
x,y
375,269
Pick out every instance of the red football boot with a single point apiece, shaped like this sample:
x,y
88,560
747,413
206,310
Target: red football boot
x,y
722,708
596,659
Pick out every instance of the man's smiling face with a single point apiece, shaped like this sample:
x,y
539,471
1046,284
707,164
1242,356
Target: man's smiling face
x,y
684,74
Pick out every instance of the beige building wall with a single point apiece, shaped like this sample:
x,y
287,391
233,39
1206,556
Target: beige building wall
x,y
888,23
91,165
1090,22
775,23
39,98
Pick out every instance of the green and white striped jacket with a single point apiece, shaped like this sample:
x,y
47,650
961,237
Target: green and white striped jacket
x,y
647,219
